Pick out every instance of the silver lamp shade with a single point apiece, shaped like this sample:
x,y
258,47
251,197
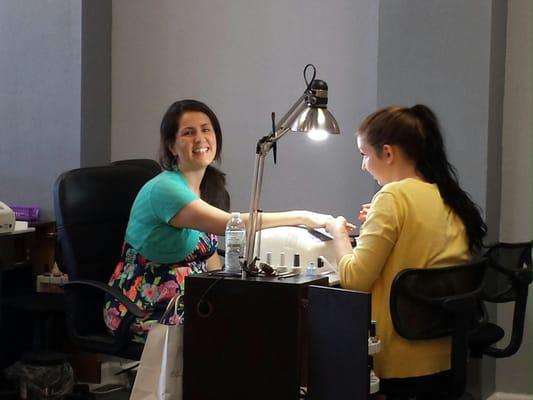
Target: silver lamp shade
x,y
317,122
312,116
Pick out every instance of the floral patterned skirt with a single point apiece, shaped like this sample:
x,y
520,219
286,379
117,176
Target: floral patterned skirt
x,y
151,285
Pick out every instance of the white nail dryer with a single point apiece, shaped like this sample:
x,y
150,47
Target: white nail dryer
x,y
293,239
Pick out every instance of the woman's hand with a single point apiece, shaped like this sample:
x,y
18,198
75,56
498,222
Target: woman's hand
x,y
363,213
314,220
338,227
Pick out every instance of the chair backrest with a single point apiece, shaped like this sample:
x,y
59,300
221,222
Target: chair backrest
x,y
508,277
147,163
429,303
509,269
92,207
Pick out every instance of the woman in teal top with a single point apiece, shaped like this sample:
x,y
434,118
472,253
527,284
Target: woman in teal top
x,y
176,216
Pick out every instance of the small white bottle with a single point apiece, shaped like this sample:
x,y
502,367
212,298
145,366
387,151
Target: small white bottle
x,y
235,241
282,259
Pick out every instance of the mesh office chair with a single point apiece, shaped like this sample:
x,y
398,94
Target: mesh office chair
x,y
509,274
92,207
434,303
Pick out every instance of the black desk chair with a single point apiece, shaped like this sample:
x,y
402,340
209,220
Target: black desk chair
x,y
434,303
92,207
147,163
508,277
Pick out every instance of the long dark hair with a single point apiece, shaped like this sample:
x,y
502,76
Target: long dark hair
x,y
416,130
213,186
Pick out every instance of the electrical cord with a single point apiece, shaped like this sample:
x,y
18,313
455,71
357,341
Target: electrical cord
x,y
204,307
309,83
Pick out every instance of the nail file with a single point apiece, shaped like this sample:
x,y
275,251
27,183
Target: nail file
x,y
320,235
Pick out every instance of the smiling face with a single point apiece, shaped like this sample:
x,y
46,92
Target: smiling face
x,y
375,164
195,144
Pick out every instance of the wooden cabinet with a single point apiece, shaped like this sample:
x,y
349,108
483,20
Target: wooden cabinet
x,y
245,338
43,254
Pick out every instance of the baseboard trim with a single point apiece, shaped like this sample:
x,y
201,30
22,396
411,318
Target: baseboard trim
x,y
510,396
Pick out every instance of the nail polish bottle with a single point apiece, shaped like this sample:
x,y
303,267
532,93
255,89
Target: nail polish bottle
x,y
311,269
296,263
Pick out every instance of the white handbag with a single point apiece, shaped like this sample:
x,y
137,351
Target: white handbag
x,y
160,372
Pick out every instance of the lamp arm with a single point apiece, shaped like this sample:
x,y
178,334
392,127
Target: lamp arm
x,y
265,144
254,206
291,111
263,147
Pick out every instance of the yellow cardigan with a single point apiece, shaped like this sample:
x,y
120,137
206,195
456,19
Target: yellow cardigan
x,y
408,225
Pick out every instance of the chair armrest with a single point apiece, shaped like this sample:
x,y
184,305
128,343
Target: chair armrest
x,y
517,330
461,304
130,305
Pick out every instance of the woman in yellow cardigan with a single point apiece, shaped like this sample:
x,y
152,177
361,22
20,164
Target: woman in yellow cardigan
x,y
419,218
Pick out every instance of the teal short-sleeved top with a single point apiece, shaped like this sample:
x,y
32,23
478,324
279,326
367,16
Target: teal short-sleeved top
x,y
149,230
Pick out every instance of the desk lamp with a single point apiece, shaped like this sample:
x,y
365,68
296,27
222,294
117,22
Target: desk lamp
x,y
309,114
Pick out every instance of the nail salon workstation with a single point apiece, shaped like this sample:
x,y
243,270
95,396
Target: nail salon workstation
x,y
280,327
276,330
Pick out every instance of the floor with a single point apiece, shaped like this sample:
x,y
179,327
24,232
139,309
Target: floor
x,y
112,386
122,394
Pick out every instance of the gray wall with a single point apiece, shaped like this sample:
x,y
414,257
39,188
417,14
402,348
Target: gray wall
x,y
450,56
514,374
55,95
245,59
438,53
40,90
96,83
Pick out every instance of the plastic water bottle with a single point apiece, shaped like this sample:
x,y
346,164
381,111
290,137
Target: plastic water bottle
x,y
235,242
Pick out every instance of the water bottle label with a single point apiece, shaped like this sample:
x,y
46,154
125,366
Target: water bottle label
x,y
234,238
234,249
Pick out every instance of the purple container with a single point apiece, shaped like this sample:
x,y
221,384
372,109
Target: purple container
x,y
26,213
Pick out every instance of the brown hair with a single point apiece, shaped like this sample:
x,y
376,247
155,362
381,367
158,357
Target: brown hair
x,y
213,186
416,131
169,128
